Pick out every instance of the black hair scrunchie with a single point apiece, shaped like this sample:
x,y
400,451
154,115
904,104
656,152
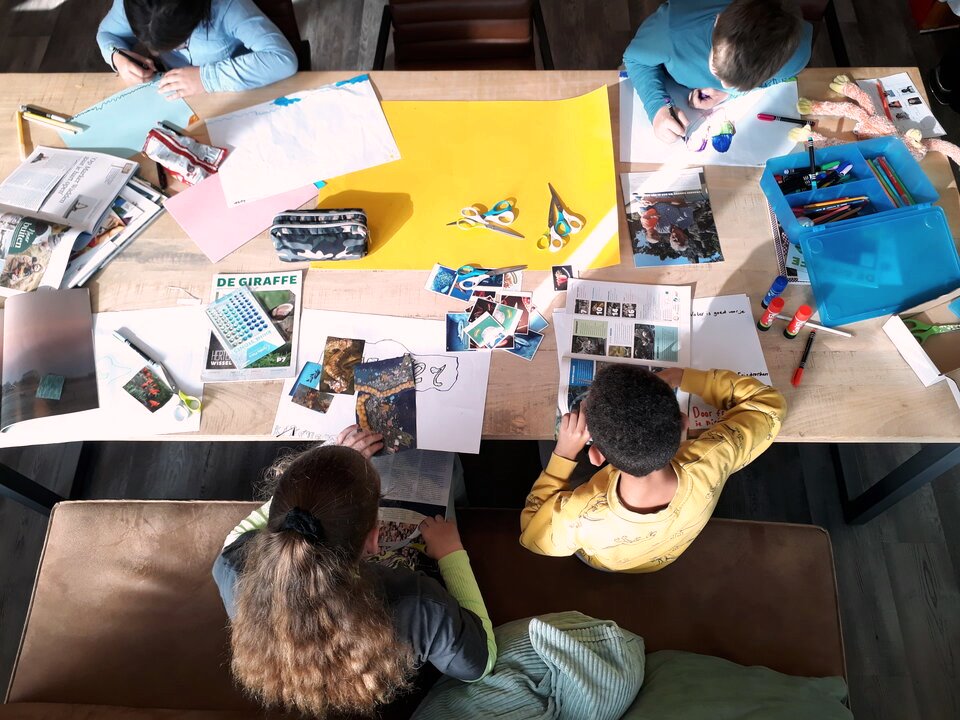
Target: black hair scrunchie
x,y
302,522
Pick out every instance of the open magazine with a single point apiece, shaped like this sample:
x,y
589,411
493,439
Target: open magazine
x,y
414,485
33,253
66,187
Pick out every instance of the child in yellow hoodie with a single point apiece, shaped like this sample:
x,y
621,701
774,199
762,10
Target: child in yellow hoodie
x,y
643,509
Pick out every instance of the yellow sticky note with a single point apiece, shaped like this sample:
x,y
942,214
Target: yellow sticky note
x,y
455,154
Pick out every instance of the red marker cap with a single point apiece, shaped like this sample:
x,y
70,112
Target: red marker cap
x,y
797,376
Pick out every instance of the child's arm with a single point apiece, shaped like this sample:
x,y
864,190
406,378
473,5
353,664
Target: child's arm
x,y
115,32
270,58
257,520
752,416
644,58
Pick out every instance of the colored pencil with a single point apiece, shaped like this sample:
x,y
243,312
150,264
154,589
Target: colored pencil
x,y
897,183
887,187
838,201
20,138
883,101
834,212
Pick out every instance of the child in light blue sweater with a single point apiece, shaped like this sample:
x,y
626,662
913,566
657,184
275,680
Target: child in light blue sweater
x,y
717,48
205,45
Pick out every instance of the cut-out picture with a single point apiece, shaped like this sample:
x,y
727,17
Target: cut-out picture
x,y
340,356
387,402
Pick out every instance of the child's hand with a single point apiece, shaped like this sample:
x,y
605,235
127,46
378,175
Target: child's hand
x,y
131,73
182,82
666,128
364,442
440,536
706,98
573,435
671,376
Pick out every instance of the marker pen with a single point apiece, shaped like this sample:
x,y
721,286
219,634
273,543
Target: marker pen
x,y
779,285
764,323
799,319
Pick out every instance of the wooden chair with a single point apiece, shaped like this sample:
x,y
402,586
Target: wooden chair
x,y
464,35
280,12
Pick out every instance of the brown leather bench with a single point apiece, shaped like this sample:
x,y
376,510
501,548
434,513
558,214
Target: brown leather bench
x,y
125,615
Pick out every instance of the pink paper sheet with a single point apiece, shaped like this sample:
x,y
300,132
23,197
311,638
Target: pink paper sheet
x,y
218,230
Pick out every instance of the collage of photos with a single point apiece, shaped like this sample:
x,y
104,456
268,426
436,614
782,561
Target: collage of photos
x,y
446,281
499,319
670,218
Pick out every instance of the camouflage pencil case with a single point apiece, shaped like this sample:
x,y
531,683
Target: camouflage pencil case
x,y
300,235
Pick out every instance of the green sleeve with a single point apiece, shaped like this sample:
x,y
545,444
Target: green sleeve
x,y
257,520
458,577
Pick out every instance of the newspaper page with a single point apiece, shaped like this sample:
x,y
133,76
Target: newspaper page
x,y
33,253
638,324
69,187
413,485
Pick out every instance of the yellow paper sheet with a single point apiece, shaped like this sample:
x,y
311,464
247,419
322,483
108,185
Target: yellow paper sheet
x,y
455,154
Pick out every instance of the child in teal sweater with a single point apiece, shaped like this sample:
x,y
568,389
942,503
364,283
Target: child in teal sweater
x,y
717,48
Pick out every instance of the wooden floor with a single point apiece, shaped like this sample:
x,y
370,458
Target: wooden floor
x,y
898,576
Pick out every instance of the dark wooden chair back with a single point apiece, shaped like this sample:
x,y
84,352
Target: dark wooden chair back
x,y
464,35
280,13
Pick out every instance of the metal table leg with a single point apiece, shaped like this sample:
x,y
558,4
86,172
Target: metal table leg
x,y
25,491
926,466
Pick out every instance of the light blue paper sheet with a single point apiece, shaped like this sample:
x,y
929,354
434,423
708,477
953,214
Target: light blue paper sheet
x,y
119,124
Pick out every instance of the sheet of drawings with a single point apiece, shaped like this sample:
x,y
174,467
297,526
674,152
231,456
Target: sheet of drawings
x,y
639,324
754,142
906,106
451,387
292,141
174,336
724,337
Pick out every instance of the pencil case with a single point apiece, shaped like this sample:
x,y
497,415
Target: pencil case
x,y
339,234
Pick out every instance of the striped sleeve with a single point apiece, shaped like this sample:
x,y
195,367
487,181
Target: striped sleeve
x,y
257,520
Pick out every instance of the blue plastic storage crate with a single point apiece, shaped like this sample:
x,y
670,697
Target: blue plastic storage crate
x,y
884,260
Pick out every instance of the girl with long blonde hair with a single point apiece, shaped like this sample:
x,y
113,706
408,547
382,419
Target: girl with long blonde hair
x,y
316,629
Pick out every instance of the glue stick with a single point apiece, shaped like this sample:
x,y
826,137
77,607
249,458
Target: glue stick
x,y
776,305
800,318
779,285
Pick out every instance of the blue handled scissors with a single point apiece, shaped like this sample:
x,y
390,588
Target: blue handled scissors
x,y
469,276
187,405
496,218
560,225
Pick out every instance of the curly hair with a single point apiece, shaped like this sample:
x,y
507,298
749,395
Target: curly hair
x,y
311,634
634,419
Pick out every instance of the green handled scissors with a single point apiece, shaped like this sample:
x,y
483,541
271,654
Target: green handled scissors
x,y
921,330
187,405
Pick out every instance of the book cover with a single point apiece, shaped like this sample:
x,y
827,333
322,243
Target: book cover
x,y
280,295
670,218
33,253
48,365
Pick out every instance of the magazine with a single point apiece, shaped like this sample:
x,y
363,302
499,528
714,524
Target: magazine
x,y
67,187
670,218
280,295
128,216
639,324
46,356
33,253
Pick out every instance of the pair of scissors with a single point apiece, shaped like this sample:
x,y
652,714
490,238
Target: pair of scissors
x,y
560,225
496,218
187,405
921,330
469,276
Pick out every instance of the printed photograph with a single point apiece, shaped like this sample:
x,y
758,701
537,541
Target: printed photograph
x,y
538,323
895,104
656,342
613,309
457,339
619,351
394,533
581,307
387,402
485,295
908,90
629,310
670,219
562,274
340,357
913,101
526,344
902,116
643,341
441,280
486,332
26,246
508,317
309,376
506,281
311,398
597,307
524,303
481,308
148,389
589,345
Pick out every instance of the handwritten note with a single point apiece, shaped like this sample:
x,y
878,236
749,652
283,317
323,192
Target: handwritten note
x,y
724,337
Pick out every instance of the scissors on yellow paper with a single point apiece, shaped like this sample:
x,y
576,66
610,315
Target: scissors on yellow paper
x,y
187,405
560,225
496,218
469,276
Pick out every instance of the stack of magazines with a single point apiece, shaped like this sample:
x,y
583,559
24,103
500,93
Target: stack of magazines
x,y
64,214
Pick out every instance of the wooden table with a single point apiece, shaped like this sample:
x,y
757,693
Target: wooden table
x,y
858,390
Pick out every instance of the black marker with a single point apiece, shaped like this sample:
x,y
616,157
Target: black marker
x,y
136,61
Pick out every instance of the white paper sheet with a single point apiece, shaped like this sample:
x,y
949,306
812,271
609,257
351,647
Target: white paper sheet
x,y
724,337
755,141
451,387
295,140
907,108
174,336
